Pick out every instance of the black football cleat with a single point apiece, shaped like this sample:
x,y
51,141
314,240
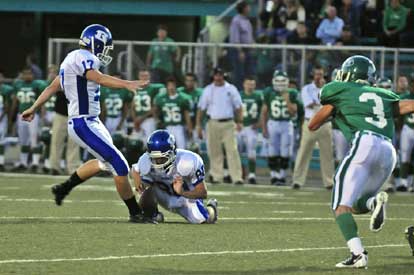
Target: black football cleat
x,y
33,169
252,180
296,186
402,188
273,181
60,192
379,212
355,261
2,169
227,179
409,235
19,168
280,182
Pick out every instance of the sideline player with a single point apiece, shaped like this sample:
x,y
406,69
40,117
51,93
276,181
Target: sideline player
x,y
5,94
279,107
365,115
80,79
26,92
173,178
247,138
406,147
173,110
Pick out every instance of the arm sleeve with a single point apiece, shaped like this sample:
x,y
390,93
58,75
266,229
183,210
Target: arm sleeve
x,y
202,103
320,31
236,98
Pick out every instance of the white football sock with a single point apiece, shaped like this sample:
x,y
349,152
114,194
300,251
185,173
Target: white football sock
x,y
35,159
355,246
282,173
274,174
252,175
47,163
403,182
24,159
1,159
226,172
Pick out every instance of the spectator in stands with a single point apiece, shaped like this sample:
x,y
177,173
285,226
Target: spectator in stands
x,y
222,103
295,14
394,22
300,36
347,38
273,21
241,32
350,13
311,103
330,28
162,58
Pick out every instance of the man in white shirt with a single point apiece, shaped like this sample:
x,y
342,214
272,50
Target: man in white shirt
x,y
323,136
223,105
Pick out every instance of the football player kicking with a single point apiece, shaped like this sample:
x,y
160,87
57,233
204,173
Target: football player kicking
x,y
247,137
80,79
365,114
280,106
173,178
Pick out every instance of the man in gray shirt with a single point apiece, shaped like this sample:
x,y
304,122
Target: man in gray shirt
x,y
241,32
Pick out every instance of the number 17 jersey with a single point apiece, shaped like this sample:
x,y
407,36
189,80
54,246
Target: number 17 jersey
x,y
361,107
83,95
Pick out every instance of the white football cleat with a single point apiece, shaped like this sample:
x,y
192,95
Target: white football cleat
x,y
355,261
379,214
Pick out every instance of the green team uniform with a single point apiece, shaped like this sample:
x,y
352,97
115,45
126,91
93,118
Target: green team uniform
x,y
172,108
277,106
193,96
114,100
360,107
27,93
5,96
143,99
409,119
252,105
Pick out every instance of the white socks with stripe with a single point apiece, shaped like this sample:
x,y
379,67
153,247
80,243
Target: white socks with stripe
x,y
24,159
370,203
355,246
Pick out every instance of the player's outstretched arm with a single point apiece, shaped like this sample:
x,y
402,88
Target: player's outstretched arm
x,y
116,83
406,107
137,181
50,90
321,117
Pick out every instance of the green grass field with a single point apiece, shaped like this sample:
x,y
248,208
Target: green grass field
x,y
261,230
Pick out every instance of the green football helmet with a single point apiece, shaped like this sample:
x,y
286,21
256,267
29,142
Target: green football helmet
x,y
385,83
357,68
280,81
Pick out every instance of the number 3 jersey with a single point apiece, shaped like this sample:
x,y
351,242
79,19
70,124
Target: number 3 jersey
x,y
361,107
83,95
187,164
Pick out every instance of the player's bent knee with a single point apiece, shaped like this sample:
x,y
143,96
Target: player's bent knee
x,y
342,209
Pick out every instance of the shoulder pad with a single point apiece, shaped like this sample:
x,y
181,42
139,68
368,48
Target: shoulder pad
x,y
185,165
144,164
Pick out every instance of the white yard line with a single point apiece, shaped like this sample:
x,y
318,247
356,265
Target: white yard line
x,y
177,218
205,253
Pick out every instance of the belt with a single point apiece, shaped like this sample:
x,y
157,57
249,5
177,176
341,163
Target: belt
x,y
222,119
371,133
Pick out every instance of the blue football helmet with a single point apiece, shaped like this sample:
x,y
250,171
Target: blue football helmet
x,y
98,39
161,148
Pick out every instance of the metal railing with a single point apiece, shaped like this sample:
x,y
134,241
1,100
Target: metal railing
x,y
200,58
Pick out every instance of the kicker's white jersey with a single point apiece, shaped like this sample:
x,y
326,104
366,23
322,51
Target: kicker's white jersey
x,y
82,94
187,164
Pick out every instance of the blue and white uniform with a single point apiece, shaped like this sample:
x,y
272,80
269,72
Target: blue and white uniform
x,y
190,167
84,125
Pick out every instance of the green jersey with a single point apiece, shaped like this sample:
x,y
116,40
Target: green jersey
x,y
252,104
194,96
409,119
361,107
172,108
277,106
114,100
28,92
144,98
162,55
5,96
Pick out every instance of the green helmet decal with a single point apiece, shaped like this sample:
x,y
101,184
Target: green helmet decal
x,y
385,83
357,68
280,81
